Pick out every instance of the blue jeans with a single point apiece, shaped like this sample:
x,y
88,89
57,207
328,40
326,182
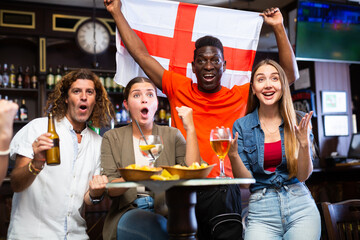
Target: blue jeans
x,y
142,223
288,213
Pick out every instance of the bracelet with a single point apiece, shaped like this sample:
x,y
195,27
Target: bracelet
x,y
97,200
33,170
4,153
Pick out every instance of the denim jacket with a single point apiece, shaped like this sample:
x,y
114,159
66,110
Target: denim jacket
x,y
251,150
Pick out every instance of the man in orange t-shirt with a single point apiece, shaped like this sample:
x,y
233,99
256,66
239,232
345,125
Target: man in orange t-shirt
x,y
210,110
213,105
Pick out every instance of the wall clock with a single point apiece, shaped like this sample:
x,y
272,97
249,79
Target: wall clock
x,y
90,43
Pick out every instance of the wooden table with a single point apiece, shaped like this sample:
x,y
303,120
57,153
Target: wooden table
x,y
181,200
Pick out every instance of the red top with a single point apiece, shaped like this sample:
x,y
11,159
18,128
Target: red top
x,y
272,155
210,110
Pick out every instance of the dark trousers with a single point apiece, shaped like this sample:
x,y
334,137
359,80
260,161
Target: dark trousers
x,y
218,213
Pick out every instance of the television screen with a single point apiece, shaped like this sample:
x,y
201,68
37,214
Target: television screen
x,y
354,148
328,32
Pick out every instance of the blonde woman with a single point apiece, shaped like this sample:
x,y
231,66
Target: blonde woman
x,y
276,150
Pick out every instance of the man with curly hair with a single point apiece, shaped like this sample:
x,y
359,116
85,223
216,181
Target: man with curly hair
x,y
48,200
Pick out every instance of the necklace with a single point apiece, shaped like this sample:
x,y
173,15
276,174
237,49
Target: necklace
x,y
77,131
271,132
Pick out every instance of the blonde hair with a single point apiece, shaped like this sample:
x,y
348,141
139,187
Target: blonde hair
x,y
287,112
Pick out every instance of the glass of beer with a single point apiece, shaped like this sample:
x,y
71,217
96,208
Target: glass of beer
x,y
151,147
220,140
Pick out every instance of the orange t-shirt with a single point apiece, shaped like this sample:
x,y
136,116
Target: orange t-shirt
x,y
210,110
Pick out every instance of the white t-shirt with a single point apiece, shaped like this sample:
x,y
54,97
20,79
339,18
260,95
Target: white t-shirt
x,y
50,208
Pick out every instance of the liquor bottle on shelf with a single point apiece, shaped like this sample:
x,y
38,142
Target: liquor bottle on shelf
x,y
162,113
117,113
19,78
16,118
65,70
12,78
121,88
108,83
50,80
115,86
58,75
168,113
27,81
34,78
23,111
53,154
1,77
102,80
124,114
5,77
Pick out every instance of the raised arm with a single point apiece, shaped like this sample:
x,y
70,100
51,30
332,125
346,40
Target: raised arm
x,y
134,45
302,131
274,19
238,168
26,169
7,114
192,147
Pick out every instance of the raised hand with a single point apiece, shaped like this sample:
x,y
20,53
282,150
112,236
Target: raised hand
x,y
302,131
233,151
112,5
7,114
186,115
272,16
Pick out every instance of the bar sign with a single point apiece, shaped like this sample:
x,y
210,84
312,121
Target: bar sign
x,y
17,19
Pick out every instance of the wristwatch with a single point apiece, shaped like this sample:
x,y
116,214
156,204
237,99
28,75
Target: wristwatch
x,y
96,200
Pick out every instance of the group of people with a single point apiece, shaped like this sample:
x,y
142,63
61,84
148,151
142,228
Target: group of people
x,y
272,143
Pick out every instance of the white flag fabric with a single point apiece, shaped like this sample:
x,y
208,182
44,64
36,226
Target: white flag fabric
x,y
169,30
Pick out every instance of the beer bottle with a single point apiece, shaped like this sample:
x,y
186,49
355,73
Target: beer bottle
x,y
53,154
34,79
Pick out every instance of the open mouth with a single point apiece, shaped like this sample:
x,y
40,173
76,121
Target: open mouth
x,y
144,112
209,76
83,107
268,94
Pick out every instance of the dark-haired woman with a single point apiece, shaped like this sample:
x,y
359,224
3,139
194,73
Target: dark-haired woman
x,y
131,215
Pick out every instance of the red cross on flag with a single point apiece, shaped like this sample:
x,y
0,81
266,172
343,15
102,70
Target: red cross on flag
x,y
169,30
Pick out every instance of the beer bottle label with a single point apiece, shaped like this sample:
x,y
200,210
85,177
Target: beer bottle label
x,y
56,142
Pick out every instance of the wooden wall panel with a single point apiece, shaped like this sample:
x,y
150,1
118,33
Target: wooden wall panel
x,y
332,76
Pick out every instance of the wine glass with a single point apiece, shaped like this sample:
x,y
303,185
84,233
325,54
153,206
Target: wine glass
x,y
151,147
220,139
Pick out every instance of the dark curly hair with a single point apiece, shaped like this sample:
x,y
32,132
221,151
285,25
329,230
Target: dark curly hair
x,y
103,110
208,41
